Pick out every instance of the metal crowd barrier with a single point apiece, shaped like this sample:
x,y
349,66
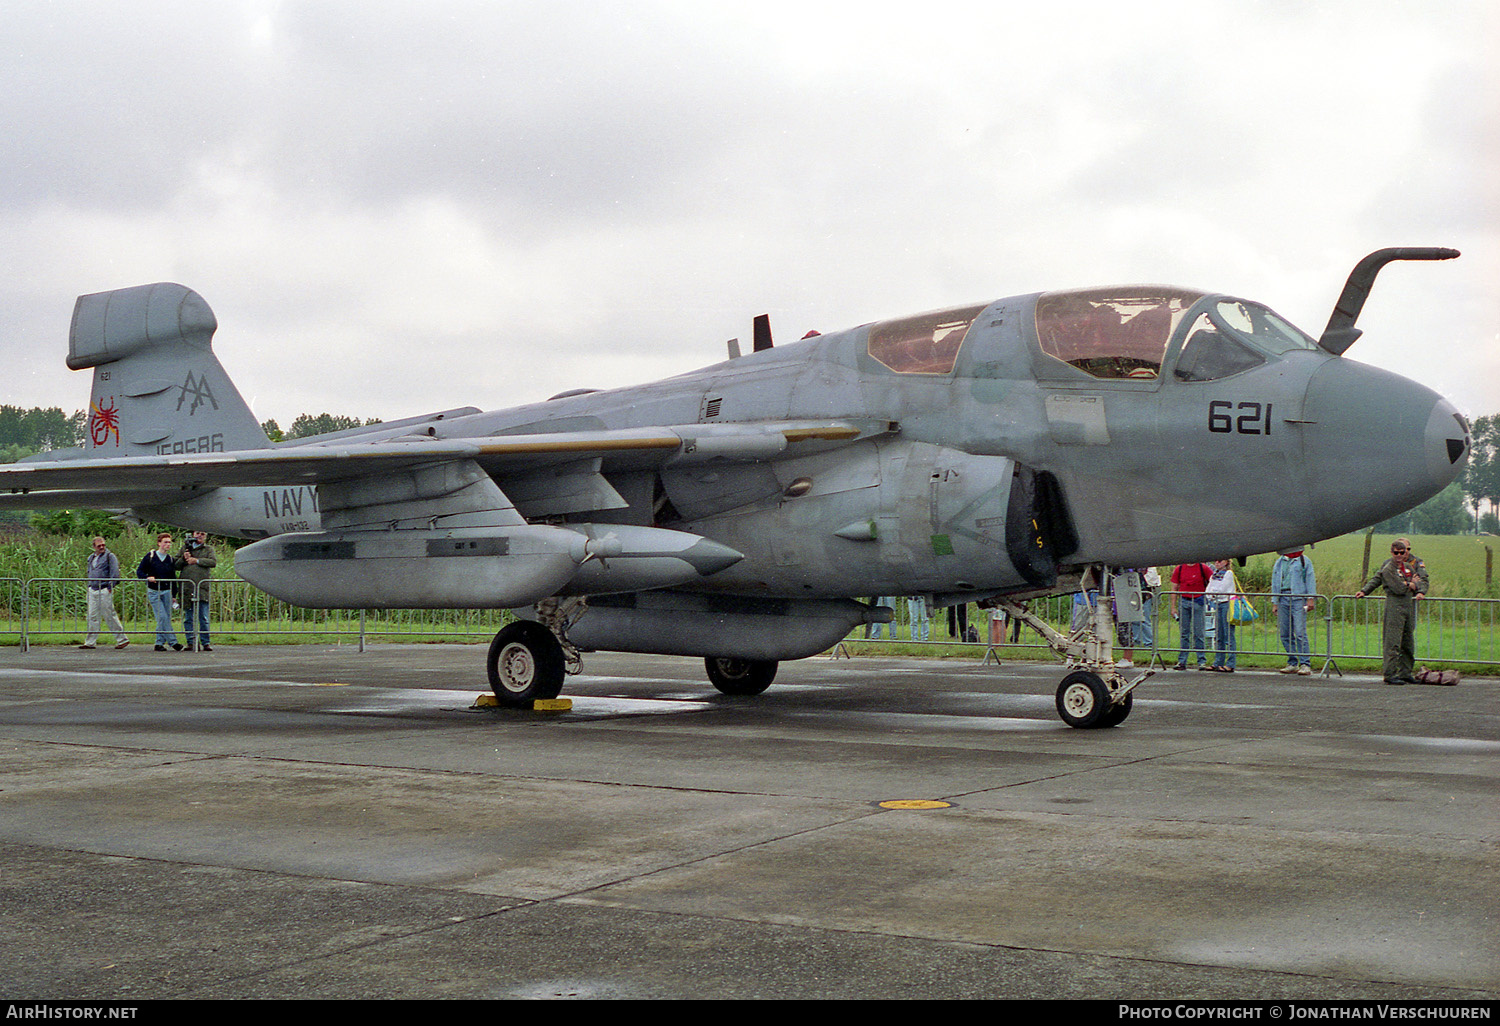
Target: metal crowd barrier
x,y
1463,631
1447,630
57,607
1341,627
13,609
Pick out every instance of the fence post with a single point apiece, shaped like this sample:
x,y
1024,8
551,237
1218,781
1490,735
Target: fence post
x,y
25,609
1156,658
361,630
1329,663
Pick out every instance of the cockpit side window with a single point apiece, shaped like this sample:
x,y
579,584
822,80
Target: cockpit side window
x,y
1117,333
1209,354
925,344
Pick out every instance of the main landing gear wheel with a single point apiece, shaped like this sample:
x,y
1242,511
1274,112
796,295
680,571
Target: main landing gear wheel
x,y
740,676
525,663
1083,701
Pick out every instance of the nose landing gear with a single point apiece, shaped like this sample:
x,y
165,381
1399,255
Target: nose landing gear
x,y
1095,694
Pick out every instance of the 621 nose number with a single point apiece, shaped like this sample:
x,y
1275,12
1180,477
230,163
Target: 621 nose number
x,y
1252,418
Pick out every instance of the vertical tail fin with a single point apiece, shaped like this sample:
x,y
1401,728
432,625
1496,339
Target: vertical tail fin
x,y
158,388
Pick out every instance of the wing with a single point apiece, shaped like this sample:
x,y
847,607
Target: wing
x,y
152,480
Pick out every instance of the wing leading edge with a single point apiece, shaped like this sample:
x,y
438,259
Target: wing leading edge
x,y
124,477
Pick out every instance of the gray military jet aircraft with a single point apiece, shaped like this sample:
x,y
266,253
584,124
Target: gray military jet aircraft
x,y
990,451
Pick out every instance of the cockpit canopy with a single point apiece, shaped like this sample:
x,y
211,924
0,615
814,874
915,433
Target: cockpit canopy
x,y
1112,332
1125,333
927,343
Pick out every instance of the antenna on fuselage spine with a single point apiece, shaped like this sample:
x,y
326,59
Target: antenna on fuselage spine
x,y
762,332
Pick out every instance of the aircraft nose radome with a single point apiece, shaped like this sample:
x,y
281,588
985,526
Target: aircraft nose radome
x,y
1448,441
1377,444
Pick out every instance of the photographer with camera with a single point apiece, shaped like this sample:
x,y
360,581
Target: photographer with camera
x,y
195,566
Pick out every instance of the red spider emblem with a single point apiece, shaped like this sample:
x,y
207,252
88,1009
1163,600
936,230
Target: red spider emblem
x,y
103,422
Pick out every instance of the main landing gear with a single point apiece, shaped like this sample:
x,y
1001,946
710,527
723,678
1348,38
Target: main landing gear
x,y
740,676
528,659
525,663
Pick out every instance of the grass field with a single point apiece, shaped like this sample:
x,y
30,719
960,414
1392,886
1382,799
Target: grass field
x,y
1455,563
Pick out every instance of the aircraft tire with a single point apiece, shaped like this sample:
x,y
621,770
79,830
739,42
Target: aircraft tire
x,y
1116,713
1082,699
740,676
525,663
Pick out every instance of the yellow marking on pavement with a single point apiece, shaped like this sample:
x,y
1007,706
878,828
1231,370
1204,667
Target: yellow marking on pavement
x,y
488,701
914,803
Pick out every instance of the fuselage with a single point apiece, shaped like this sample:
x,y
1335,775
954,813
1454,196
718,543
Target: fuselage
x,y
1144,425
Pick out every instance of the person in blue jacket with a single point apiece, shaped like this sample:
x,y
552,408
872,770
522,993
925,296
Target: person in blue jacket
x,y
159,571
1294,589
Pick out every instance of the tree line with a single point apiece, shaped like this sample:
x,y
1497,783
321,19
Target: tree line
x,y
310,424
24,432
1482,480
43,429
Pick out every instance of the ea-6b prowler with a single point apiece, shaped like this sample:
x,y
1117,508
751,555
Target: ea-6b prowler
x,y
987,452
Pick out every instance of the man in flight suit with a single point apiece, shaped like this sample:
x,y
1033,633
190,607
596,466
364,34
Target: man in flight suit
x,y
1404,578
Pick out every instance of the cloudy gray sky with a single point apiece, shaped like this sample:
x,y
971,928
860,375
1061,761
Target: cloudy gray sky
x,y
397,207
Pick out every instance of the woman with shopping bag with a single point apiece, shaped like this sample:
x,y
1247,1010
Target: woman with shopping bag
x,y
1222,592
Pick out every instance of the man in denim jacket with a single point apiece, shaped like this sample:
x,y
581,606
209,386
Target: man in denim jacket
x,y
1294,587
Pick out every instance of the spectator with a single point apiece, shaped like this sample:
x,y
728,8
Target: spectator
x,y
1404,578
921,623
1294,587
103,576
1221,591
1190,580
159,572
195,566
